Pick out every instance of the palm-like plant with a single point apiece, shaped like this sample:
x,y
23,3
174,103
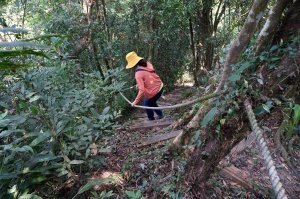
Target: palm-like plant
x,y
13,54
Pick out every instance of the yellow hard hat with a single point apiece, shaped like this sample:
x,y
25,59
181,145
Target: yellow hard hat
x,y
132,59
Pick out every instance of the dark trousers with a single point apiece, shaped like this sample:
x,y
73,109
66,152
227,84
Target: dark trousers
x,y
152,103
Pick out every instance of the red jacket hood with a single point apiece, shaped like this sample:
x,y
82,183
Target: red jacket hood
x,y
148,68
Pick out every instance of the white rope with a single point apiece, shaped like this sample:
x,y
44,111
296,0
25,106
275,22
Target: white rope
x,y
275,180
206,97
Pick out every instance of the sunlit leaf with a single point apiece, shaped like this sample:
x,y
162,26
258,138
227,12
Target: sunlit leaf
x,y
267,108
263,108
234,77
9,132
43,158
34,98
273,48
3,115
25,148
209,117
296,116
105,111
76,162
93,183
42,137
34,110
30,196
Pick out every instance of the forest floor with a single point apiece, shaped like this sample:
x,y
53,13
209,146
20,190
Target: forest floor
x,y
147,168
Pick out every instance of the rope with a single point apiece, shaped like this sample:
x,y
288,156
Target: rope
x,y
127,88
275,180
201,99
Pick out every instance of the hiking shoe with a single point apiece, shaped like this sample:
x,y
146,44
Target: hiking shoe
x,y
160,117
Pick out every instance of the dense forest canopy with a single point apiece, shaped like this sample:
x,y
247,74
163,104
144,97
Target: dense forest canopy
x,y
62,66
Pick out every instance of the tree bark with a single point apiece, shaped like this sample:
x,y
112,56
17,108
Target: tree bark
x,y
107,59
243,39
290,24
192,46
96,60
82,44
271,24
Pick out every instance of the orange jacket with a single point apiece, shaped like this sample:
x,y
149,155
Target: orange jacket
x,y
148,82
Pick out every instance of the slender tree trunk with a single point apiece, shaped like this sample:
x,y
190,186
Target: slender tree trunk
x,y
151,30
192,46
290,23
24,15
107,59
107,30
96,60
243,39
80,46
23,23
271,24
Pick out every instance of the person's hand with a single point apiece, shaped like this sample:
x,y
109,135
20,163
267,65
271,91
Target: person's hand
x,y
132,104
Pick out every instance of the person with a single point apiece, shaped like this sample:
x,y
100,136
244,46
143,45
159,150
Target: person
x,y
148,82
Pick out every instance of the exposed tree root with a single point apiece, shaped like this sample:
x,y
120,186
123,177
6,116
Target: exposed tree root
x,y
184,137
291,152
184,119
202,163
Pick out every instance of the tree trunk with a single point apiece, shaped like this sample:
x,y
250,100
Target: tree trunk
x,y
271,24
192,46
151,45
243,39
290,24
96,60
81,45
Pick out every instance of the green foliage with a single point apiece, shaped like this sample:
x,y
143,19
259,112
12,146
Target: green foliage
x,y
15,51
263,108
55,120
134,194
209,116
93,183
294,121
104,195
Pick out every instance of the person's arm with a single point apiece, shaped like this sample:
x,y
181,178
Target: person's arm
x,y
141,87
